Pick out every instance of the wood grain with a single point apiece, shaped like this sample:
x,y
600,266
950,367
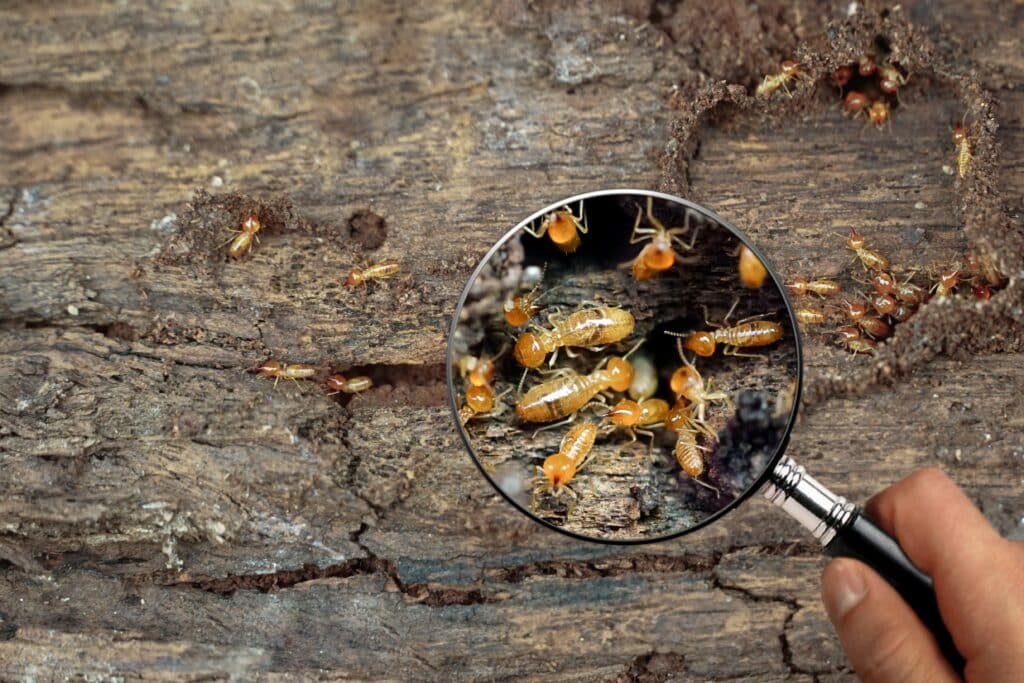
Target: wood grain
x,y
167,515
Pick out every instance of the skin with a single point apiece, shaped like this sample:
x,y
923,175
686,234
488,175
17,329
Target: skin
x,y
979,584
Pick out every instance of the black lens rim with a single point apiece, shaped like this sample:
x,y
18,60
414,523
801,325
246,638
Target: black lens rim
x,y
453,396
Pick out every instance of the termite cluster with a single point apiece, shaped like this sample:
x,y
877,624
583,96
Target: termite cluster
x,y
240,244
592,370
892,295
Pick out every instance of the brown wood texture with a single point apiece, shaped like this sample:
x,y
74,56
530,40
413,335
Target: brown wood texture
x,y
164,514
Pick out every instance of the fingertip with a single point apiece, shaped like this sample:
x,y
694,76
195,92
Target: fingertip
x,y
842,587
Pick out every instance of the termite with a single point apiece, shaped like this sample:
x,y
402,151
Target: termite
x,y
855,102
241,243
752,271
560,468
688,454
480,402
479,371
866,65
909,293
841,76
563,227
635,416
789,70
806,315
659,254
568,393
338,384
874,326
981,292
889,78
902,312
747,333
878,113
963,150
870,259
686,382
589,327
884,304
520,309
981,264
377,271
855,311
279,371
823,287
947,284
851,338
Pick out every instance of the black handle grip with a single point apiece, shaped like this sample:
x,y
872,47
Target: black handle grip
x,y
863,540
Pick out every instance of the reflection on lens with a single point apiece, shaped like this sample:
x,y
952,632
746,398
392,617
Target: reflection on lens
x,y
624,367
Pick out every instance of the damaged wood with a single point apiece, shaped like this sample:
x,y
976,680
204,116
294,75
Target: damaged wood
x,y
164,513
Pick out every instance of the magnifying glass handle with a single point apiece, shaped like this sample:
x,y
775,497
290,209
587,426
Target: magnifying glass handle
x,y
844,530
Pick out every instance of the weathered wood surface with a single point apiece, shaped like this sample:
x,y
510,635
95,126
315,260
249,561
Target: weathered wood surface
x,y
165,514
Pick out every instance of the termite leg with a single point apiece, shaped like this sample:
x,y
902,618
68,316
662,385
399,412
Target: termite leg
x,y
734,351
555,425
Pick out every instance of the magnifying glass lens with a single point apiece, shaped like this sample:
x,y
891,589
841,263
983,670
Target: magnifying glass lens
x,y
624,366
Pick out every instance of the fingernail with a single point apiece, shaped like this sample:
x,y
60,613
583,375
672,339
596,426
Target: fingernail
x,y
845,591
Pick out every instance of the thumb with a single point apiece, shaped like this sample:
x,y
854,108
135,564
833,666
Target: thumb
x,y
882,636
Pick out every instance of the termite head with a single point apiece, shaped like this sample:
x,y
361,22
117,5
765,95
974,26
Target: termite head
x,y
701,343
268,368
855,101
847,334
797,286
883,282
482,372
355,277
621,372
518,312
686,381
842,76
336,383
790,67
855,241
678,417
528,351
559,470
866,65
981,292
855,311
480,399
959,134
251,224
625,413
950,280
878,113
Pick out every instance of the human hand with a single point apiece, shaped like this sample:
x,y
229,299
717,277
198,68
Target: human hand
x,y
979,586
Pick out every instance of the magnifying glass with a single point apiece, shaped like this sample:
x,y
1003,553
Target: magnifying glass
x,y
625,367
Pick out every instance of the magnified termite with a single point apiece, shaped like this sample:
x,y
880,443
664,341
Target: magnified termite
x,y
687,383
645,377
659,255
569,392
590,327
377,271
752,271
562,227
242,242
789,71
560,468
479,370
480,402
747,333
638,416
519,310
278,370
688,453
